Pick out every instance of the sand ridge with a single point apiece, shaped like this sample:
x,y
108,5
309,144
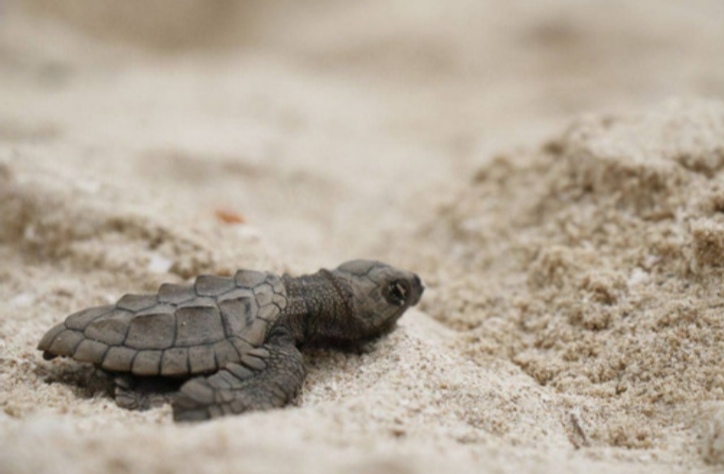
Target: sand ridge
x,y
611,263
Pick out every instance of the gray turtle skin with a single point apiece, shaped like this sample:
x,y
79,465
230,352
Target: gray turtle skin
x,y
234,338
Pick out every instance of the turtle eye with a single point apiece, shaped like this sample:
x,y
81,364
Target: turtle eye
x,y
397,293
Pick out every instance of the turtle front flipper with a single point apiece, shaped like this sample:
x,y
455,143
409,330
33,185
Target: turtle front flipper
x,y
267,377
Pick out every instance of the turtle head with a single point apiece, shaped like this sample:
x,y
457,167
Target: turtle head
x,y
379,295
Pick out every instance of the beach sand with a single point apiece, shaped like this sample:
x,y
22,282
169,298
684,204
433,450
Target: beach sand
x,y
553,172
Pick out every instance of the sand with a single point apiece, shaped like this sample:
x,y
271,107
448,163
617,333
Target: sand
x,y
553,172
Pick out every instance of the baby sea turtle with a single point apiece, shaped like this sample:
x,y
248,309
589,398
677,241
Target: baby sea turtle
x,y
234,338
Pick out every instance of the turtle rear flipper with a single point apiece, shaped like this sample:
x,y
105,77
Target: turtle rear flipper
x,y
144,393
267,377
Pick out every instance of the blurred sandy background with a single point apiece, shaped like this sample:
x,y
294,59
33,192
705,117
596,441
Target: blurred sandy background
x,y
551,169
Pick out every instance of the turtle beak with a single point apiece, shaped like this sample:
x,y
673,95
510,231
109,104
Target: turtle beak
x,y
417,289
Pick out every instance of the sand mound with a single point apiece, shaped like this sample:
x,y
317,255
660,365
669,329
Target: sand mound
x,y
596,264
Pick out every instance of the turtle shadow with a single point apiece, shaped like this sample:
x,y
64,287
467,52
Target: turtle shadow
x,y
86,380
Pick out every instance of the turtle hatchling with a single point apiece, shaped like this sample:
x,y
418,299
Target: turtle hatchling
x,y
232,342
